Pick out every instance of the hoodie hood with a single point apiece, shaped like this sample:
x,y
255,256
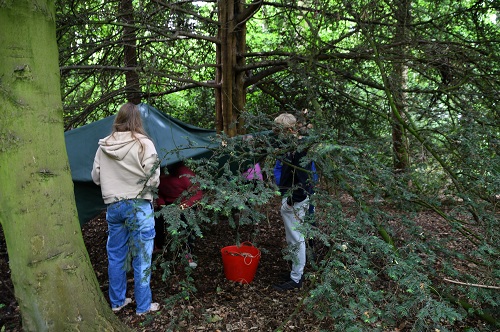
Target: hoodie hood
x,y
118,145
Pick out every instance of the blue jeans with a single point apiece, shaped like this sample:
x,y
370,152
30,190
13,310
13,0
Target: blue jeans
x,y
131,232
293,216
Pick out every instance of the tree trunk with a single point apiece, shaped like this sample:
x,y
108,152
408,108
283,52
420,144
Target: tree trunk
x,y
398,86
53,278
231,95
221,36
239,91
129,40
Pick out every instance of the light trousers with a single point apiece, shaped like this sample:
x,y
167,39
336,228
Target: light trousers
x,y
293,216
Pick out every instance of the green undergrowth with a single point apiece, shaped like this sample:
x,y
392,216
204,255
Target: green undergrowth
x,y
383,265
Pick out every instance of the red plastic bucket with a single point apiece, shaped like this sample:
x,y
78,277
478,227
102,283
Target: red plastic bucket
x,y
240,262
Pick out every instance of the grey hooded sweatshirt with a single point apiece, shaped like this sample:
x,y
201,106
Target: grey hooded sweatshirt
x,y
123,167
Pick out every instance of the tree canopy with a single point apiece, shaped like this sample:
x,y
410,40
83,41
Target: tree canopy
x,y
402,101
402,97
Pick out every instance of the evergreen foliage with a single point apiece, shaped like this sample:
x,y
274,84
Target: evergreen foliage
x,y
366,71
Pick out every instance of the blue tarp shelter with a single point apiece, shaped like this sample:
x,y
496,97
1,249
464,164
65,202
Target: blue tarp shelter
x,y
174,141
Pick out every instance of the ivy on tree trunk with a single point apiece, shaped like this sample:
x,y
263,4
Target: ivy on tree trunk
x,y
54,281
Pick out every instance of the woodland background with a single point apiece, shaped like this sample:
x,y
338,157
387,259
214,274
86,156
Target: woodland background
x,y
402,101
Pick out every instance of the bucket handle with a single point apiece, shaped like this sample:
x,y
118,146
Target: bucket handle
x,y
244,254
247,255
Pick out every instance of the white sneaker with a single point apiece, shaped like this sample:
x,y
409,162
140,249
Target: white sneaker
x,y
153,307
127,302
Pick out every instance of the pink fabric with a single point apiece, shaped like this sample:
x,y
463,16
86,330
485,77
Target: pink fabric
x,y
253,173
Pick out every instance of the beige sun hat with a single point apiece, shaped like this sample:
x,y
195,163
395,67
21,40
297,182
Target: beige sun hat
x,y
286,120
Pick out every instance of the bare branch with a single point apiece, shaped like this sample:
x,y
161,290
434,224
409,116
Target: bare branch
x,y
472,285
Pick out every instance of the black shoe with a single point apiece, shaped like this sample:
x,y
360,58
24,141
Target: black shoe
x,y
288,285
285,276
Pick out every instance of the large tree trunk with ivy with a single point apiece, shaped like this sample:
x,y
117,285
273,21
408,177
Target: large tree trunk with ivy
x,y
53,278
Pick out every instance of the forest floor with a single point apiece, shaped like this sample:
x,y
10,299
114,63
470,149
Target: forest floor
x,y
218,304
